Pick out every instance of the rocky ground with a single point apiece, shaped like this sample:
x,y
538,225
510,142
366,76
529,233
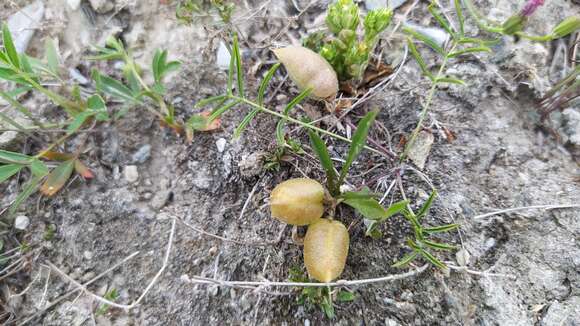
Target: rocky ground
x,y
524,267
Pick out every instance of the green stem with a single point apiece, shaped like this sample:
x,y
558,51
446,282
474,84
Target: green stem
x,y
480,20
159,100
543,38
427,105
301,123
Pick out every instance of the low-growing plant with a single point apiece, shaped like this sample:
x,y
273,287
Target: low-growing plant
x,y
190,11
343,47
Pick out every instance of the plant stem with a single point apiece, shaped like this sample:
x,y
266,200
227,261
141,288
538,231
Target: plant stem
x,y
301,123
480,20
427,105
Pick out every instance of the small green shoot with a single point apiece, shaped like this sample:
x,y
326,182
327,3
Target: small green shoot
x,y
111,295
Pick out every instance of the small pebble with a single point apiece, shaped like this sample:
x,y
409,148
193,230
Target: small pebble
x,y
88,255
21,222
221,144
142,154
212,251
131,173
462,257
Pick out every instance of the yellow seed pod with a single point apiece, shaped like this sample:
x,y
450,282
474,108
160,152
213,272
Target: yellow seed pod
x,y
325,249
309,69
297,201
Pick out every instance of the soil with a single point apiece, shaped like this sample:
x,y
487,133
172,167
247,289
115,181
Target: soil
x,y
501,158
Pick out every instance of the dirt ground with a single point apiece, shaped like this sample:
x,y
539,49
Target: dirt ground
x,y
524,266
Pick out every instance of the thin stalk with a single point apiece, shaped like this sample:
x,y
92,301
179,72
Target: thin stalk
x,y
543,38
301,123
159,100
427,105
69,106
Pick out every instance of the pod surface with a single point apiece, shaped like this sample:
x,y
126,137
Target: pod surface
x,y
309,69
325,249
297,201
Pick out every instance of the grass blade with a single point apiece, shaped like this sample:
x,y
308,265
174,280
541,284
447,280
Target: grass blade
x,y
247,119
265,82
358,142
38,168
321,151
209,100
438,245
13,157
11,52
469,50
289,106
450,80
220,110
57,178
8,170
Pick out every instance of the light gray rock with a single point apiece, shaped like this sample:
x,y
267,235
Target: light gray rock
x,y
223,56
21,222
24,23
221,144
102,6
142,154
131,173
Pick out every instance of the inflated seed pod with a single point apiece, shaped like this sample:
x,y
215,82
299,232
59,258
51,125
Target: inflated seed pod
x,y
309,69
297,201
325,249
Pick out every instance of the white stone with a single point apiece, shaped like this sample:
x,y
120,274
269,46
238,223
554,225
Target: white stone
x,y
24,23
223,56
221,144
102,6
74,4
21,222
131,173
436,34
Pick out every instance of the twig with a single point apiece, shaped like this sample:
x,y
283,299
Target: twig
x,y
503,211
196,229
484,273
248,200
339,283
147,289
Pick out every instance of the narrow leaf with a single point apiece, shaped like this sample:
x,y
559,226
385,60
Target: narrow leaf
x,y
345,296
321,151
398,207
438,245
11,52
443,22
368,207
57,178
415,53
247,119
450,80
239,68
12,157
209,100
405,260
24,194
460,17
358,142
8,170
441,228
469,50
156,66
221,110
424,210
78,122
430,258
425,39
289,106
114,87
265,82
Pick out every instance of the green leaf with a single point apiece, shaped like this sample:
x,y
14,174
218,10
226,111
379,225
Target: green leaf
x,y
11,53
443,22
368,207
425,39
114,88
247,119
96,103
358,142
8,170
216,113
157,65
431,259
239,68
345,296
12,157
24,194
327,307
406,260
197,122
426,206
265,82
441,228
321,151
58,178
78,122
468,50
289,106
372,230
51,56
438,245
419,58
209,100
450,80
460,17
38,168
